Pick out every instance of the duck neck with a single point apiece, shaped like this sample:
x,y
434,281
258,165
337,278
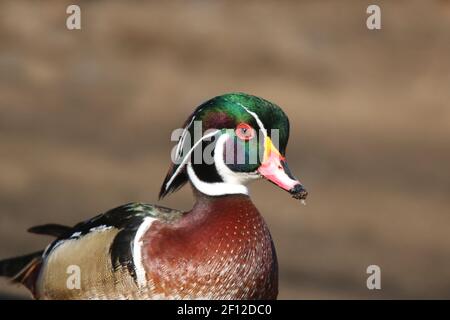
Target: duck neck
x,y
227,238
214,210
235,233
205,200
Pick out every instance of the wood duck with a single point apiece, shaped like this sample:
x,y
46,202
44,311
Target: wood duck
x,y
220,249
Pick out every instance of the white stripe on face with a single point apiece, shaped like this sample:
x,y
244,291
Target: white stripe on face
x,y
257,119
187,156
228,175
260,124
183,137
233,181
214,188
231,178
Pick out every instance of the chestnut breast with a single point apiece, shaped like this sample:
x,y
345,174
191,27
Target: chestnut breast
x,y
221,249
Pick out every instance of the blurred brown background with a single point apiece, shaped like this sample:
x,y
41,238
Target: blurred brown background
x,y
86,117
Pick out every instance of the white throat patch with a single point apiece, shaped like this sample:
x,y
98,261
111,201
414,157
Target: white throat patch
x,y
234,182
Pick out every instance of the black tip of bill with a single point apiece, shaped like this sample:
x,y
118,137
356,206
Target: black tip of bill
x,y
299,192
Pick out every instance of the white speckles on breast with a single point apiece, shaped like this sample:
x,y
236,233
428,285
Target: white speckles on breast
x,y
230,258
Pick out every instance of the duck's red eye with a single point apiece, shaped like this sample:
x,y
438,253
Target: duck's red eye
x,y
244,131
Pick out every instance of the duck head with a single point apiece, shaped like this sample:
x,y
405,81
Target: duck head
x,y
229,141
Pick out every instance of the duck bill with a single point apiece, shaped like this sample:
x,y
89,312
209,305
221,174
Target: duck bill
x,y
275,169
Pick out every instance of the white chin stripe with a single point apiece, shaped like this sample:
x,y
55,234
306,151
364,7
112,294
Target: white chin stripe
x,y
137,251
234,182
228,175
214,188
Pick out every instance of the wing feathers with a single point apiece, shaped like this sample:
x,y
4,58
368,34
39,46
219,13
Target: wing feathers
x,y
55,230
